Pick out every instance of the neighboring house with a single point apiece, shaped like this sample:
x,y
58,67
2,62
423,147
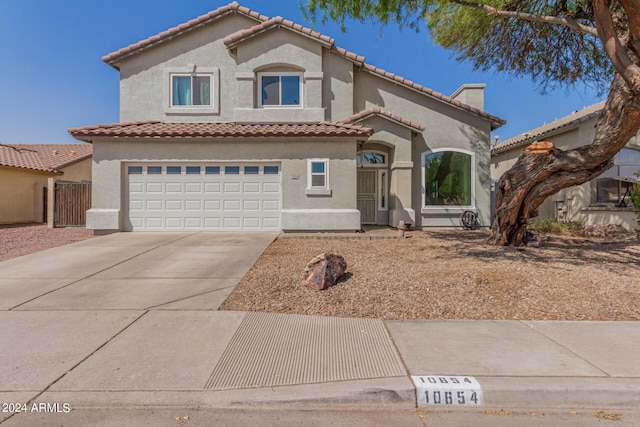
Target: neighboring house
x,y
234,121
28,174
603,200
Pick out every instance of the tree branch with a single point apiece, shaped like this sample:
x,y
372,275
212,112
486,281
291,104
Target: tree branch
x,y
613,47
556,20
632,7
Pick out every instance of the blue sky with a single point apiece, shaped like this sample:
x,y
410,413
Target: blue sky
x,y
52,76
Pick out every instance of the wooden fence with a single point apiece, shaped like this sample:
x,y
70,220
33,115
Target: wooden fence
x,y
72,200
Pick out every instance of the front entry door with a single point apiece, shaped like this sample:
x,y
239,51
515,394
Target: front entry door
x,y
367,203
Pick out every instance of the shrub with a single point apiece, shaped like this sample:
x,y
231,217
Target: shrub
x,y
552,226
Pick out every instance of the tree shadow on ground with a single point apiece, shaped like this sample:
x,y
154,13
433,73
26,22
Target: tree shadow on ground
x,y
577,251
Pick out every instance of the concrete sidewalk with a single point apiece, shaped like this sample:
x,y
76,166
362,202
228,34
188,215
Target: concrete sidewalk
x,y
130,321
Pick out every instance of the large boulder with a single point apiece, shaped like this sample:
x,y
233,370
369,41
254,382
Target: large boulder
x,y
323,271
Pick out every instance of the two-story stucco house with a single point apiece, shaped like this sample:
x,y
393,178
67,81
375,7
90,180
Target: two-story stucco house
x,y
235,121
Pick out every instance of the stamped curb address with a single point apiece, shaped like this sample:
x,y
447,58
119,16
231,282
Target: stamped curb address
x,y
447,390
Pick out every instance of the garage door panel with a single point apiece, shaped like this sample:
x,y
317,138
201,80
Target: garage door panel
x,y
193,223
270,205
233,222
251,187
136,205
173,187
153,205
212,223
173,205
271,223
231,205
153,187
212,205
173,222
136,187
249,223
220,197
251,205
193,187
213,188
231,187
193,205
270,187
153,222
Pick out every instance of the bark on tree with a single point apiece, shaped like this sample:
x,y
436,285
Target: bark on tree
x,y
539,174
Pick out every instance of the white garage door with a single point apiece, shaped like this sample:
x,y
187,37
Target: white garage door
x,y
222,197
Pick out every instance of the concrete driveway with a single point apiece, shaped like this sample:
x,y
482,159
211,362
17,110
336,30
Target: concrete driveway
x,y
61,306
132,271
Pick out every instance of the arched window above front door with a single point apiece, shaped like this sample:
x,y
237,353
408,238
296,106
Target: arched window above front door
x,y
370,158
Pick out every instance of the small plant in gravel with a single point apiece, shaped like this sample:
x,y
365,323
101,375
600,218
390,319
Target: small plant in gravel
x,y
635,198
552,226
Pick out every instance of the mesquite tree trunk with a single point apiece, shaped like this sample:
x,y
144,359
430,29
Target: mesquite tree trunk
x,y
539,173
543,171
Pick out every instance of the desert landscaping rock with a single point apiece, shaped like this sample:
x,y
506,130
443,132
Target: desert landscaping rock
x,y
323,271
23,239
451,275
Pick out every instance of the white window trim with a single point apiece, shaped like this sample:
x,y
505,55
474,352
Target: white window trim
x,y
448,208
280,74
318,191
213,72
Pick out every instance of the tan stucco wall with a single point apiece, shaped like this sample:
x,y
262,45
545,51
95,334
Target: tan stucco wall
x,y
21,195
77,172
21,190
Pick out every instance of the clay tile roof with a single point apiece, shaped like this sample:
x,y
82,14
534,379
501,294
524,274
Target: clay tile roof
x,y
43,157
234,7
376,110
279,22
564,123
276,22
156,129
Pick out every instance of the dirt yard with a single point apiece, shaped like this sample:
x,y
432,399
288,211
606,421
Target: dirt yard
x,y
18,240
452,275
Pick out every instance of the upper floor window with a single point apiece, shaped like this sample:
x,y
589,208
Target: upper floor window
x,y
448,177
191,90
280,89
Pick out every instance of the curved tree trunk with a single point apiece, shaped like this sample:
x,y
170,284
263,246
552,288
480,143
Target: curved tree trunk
x,y
541,172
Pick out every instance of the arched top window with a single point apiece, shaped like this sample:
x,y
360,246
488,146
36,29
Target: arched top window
x,y
448,176
371,158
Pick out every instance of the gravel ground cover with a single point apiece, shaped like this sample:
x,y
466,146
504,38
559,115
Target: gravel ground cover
x,y
453,275
18,240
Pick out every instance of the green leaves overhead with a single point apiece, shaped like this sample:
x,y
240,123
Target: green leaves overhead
x,y
552,54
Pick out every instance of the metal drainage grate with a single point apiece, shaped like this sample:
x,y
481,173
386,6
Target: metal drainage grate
x,y
270,349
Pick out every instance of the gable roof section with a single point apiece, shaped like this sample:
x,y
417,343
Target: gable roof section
x,y
157,129
169,34
377,111
569,122
43,157
278,22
